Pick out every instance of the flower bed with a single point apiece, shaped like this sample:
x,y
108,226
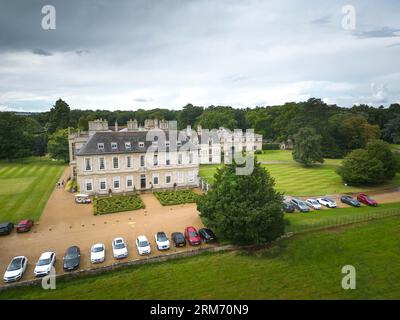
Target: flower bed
x,y
168,198
103,205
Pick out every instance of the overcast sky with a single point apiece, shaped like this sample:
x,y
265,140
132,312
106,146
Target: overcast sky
x,y
167,53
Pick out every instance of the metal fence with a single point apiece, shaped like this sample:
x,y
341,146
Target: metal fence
x,y
204,185
332,222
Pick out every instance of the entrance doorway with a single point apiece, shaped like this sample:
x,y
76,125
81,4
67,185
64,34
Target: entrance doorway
x,y
142,181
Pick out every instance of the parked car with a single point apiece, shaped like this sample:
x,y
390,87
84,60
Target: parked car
x,y
363,198
82,198
120,249
207,235
179,239
288,207
24,225
312,203
44,264
327,202
143,245
97,253
162,241
350,201
6,227
15,269
300,205
192,236
72,258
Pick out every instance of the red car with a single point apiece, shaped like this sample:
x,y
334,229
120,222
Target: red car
x,y
24,225
192,236
363,198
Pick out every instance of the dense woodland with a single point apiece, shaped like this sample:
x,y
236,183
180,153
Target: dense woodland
x,y
340,129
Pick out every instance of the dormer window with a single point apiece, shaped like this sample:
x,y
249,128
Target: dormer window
x,y
114,146
141,144
100,146
179,143
127,145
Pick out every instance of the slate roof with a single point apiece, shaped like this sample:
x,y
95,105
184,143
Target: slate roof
x,y
107,138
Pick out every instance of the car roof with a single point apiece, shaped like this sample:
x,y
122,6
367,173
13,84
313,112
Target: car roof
x,y
190,228
118,239
45,255
97,245
24,221
161,233
142,238
72,248
4,224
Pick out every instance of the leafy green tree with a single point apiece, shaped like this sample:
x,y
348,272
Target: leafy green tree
x,y
215,117
373,165
391,130
16,139
307,147
243,209
59,116
189,115
58,145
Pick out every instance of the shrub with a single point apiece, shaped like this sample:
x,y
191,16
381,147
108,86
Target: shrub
x,y
258,152
168,198
103,205
271,146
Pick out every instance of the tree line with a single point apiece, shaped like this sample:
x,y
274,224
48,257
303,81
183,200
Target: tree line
x,y
339,129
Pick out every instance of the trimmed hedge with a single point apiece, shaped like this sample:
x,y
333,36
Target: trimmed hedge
x,y
104,205
271,146
169,198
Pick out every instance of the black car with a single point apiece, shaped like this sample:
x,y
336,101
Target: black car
x,y
179,239
6,227
350,201
288,207
207,235
72,258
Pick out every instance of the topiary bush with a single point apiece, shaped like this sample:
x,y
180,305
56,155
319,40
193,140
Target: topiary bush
x,y
104,205
168,198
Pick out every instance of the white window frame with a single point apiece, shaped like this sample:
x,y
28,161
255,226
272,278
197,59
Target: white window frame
x,y
105,184
113,163
180,159
90,164
181,177
115,179
167,159
104,162
88,181
155,160
156,175
191,176
129,163
100,146
114,144
168,174
127,145
141,144
191,157
142,163
129,178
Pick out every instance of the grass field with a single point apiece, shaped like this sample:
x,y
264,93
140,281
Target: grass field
x,y
297,180
25,187
303,267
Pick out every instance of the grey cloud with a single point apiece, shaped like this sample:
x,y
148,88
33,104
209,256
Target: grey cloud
x,y
322,20
143,100
42,52
384,32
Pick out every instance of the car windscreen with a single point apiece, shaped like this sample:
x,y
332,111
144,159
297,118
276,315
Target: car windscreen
x,y
43,262
15,265
143,243
162,237
193,234
119,245
97,249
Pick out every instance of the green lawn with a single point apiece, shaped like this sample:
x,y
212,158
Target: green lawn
x,y
303,267
26,186
297,180
395,147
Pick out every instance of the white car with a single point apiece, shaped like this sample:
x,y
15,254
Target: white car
x,y
97,253
44,264
16,269
120,250
312,203
327,202
143,245
161,241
